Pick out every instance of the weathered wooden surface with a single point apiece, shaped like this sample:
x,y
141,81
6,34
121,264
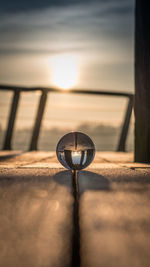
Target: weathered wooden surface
x,y
114,217
142,82
36,214
36,204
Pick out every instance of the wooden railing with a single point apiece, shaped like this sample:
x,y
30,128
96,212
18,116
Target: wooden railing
x,y
41,107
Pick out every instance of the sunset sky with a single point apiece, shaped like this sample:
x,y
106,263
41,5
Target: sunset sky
x,y
81,44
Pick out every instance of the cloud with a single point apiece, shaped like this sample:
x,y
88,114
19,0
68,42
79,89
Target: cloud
x,y
15,6
85,23
100,32
111,7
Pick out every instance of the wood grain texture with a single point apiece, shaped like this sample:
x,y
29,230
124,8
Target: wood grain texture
x,y
36,211
36,220
114,217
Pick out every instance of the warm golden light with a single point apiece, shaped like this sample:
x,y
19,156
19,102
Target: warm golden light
x,y
64,71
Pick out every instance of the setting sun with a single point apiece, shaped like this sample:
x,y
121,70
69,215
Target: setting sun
x,y
64,71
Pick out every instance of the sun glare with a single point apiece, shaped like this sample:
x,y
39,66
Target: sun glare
x,y
64,71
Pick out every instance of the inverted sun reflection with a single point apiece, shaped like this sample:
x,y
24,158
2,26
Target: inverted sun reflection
x,y
64,71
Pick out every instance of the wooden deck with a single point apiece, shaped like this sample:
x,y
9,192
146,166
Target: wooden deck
x,y
36,211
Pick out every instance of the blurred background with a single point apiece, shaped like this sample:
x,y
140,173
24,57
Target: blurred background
x,y
68,44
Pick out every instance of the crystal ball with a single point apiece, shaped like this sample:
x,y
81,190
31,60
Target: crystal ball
x,y
75,151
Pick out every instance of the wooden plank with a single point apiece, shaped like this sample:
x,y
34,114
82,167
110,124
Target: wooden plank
x,y
142,82
36,218
50,165
114,218
135,165
114,157
25,159
41,159
9,153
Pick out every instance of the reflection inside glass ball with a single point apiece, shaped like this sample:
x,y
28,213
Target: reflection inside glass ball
x,y
75,151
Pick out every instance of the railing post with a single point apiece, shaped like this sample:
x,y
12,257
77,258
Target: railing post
x,y
38,121
125,127
142,82
11,121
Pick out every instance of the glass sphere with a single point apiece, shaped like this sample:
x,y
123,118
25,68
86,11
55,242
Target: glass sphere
x,y
75,151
